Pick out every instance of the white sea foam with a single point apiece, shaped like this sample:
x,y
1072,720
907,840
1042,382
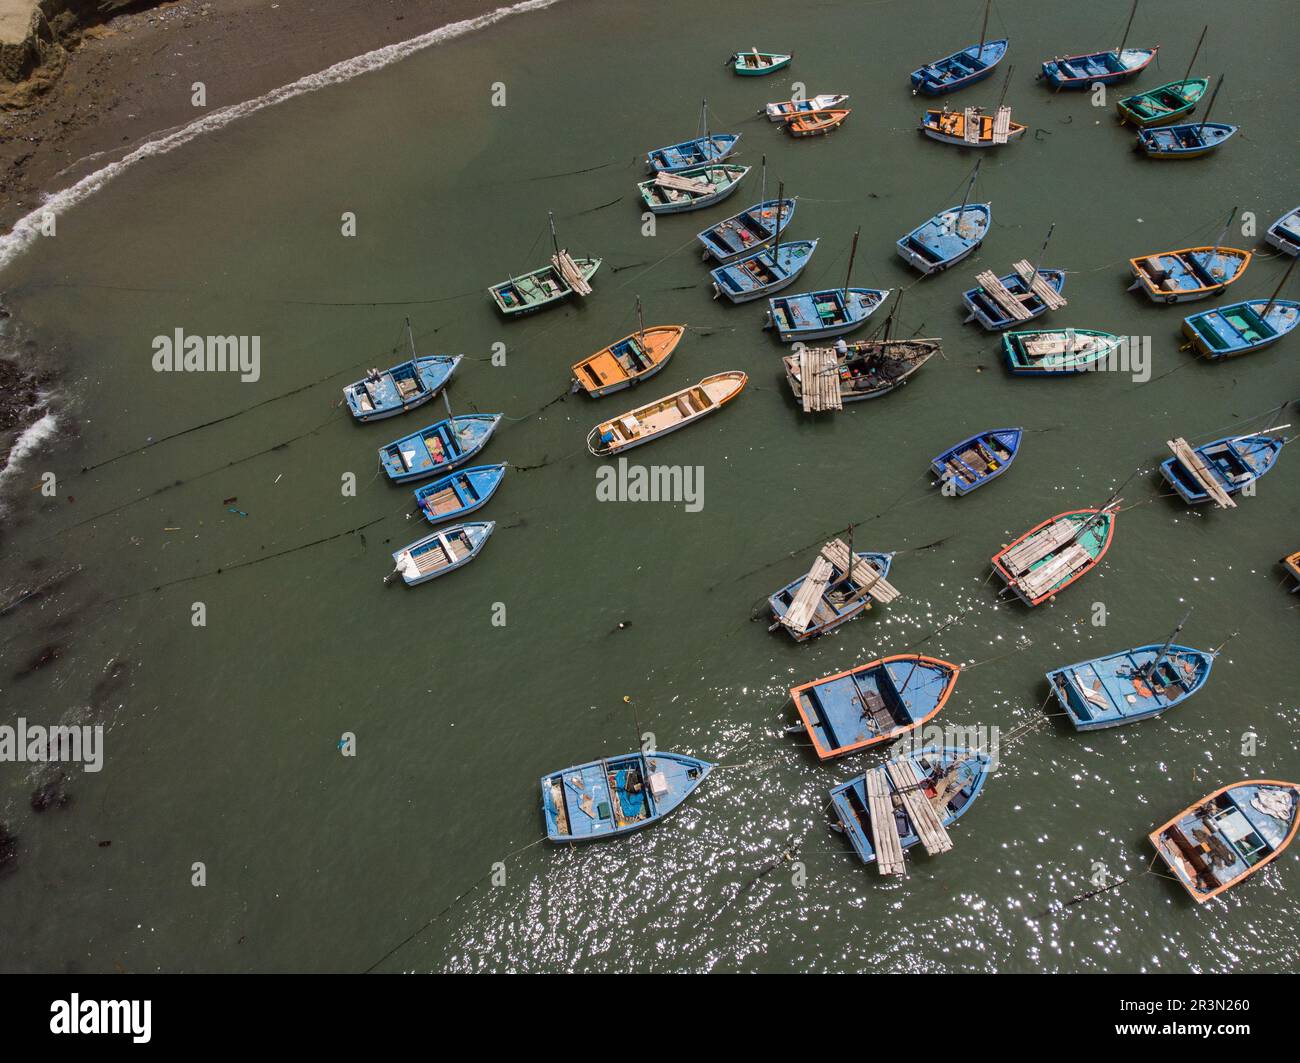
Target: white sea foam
x,y
26,231
30,441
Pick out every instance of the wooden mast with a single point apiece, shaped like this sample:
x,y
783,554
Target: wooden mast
x,y
984,30
1219,243
1209,107
1041,252
1278,290
776,247
853,250
1151,668
555,243
411,336
1006,83
1119,52
640,316
1195,54
970,187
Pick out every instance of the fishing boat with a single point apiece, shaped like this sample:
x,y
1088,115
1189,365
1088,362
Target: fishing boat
x,y
1099,68
831,312
963,67
675,193
1224,467
440,552
1053,554
1166,103
656,419
1128,686
764,271
1240,328
816,123
999,302
912,799
628,361
459,493
563,277
870,369
1229,835
975,461
779,111
747,231
617,795
754,63
1188,274
841,585
1284,234
404,387
1072,350
872,703
439,448
949,236
699,151
1184,141
1292,564
971,128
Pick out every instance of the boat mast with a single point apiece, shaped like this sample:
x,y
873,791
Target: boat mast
x,y
1041,252
1219,243
970,187
640,316
1006,83
1206,116
704,124
776,247
411,336
850,572
1119,52
555,243
889,321
762,192
1194,55
853,250
1273,298
1150,669
984,30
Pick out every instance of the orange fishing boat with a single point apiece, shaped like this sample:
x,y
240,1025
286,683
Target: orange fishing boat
x,y
1292,564
631,360
1229,835
814,123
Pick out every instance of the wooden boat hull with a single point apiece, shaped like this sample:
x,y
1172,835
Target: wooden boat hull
x,y
991,317
978,460
617,795
1189,141
1092,529
1162,105
689,154
1188,274
765,271
657,419
1096,68
819,315
872,369
439,448
376,400
816,123
1240,328
723,179
459,494
744,233
1073,357
946,239
779,602
454,547
1292,565
949,127
959,70
1114,690
768,63
1235,462
628,362
537,290
872,703
780,110
969,770
1284,234
1233,827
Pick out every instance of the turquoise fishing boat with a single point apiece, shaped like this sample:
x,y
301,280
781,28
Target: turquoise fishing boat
x,y
1036,352
1240,328
460,493
1128,686
548,285
1166,103
439,448
441,552
617,795
754,63
694,189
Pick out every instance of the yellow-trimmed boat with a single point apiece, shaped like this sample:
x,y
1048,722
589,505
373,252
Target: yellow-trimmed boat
x,y
1189,273
950,127
627,362
665,415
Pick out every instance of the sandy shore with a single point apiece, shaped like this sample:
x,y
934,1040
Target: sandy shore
x,y
130,78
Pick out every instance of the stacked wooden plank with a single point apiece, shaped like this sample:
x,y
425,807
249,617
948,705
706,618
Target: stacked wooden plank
x,y
808,597
884,828
683,184
819,379
925,821
1002,125
1200,473
568,269
971,131
867,576
1042,579
997,291
1020,557
1052,299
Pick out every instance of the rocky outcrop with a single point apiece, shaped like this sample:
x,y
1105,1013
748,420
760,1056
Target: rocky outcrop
x,y
53,29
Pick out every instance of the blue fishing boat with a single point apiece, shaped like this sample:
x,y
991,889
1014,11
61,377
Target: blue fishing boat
x,y
764,271
872,703
946,779
1189,141
439,448
617,795
1132,685
990,303
958,70
949,236
975,461
404,387
747,231
1226,465
459,493
832,592
1096,68
440,552
1240,328
1284,234
697,152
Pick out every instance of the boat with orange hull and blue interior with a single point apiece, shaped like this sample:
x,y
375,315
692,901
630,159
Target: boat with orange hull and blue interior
x,y
1229,835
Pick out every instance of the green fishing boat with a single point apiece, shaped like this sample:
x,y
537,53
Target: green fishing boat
x,y
1066,350
563,277
1161,106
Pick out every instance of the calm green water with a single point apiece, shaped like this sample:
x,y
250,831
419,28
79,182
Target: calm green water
x,y
221,740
